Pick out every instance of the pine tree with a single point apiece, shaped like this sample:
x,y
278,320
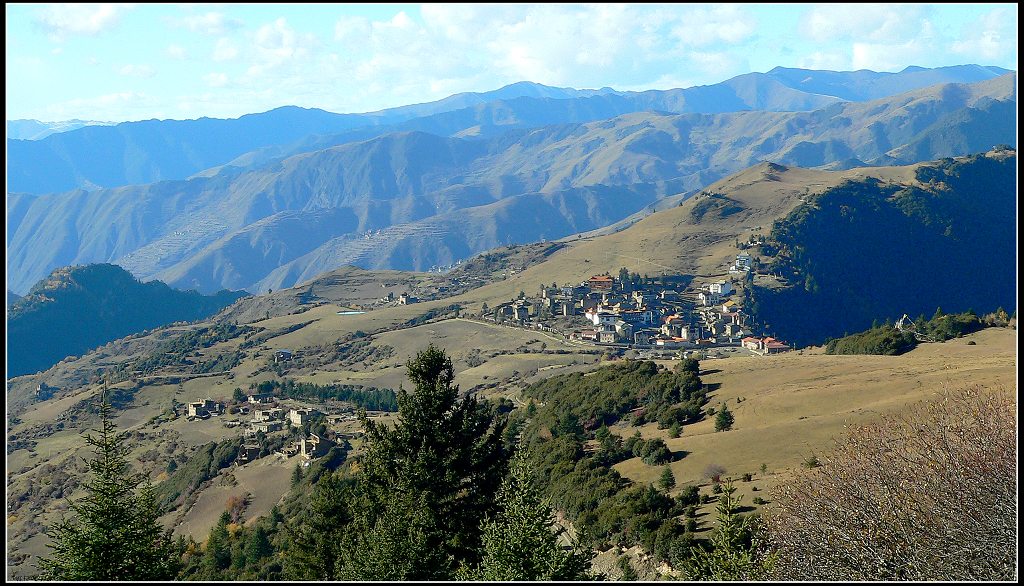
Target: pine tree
x,y
116,535
317,542
667,480
217,553
427,482
732,555
724,419
521,540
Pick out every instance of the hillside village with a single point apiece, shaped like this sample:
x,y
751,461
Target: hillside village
x,y
272,425
666,315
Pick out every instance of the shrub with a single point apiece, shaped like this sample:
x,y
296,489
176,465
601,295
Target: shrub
x,y
926,495
714,472
689,496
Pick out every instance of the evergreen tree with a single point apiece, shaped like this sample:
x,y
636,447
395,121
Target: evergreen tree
x,y
426,483
217,553
257,546
317,542
520,541
732,555
116,535
724,419
667,480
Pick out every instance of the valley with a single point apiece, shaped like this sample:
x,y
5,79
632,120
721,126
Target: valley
x,y
622,334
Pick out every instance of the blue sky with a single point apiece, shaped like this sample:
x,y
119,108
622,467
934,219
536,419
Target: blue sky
x,y
119,62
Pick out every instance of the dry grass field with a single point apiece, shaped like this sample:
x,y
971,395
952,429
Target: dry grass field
x,y
266,480
796,405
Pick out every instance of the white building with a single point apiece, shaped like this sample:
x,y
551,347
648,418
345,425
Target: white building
x,y
721,288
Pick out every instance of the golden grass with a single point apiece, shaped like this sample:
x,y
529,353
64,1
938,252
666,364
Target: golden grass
x,y
796,405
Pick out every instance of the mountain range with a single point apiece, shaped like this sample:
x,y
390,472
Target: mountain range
x,y
414,200
153,150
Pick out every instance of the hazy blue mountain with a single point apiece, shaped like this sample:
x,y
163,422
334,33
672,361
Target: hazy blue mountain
x,y
780,89
90,306
35,130
413,200
12,297
154,150
864,84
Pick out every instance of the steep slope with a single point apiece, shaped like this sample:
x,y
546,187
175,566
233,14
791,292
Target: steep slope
x,y
867,250
158,230
78,308
154,150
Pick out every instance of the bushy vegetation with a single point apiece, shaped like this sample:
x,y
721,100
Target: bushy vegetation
x,y
607,395
929,494
369,398
202,465
179,353
604,507
881,340
887,340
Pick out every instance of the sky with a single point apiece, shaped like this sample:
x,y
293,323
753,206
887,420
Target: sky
x,y
118,62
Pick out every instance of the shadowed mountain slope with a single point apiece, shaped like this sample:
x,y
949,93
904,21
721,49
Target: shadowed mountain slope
x,y
79,308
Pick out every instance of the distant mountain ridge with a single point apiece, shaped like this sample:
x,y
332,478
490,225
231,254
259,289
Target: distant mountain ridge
x,y
35,130
90,306
413,200
154,150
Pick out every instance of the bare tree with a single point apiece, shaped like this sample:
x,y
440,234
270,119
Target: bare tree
x,y
926,495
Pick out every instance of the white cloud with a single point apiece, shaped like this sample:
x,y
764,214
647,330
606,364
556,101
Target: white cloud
x,y
717,63
349,28
876,23
277,44
211,23
894,56
176,52
224,50
726,24
216,79
64,20
131,70
991,37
